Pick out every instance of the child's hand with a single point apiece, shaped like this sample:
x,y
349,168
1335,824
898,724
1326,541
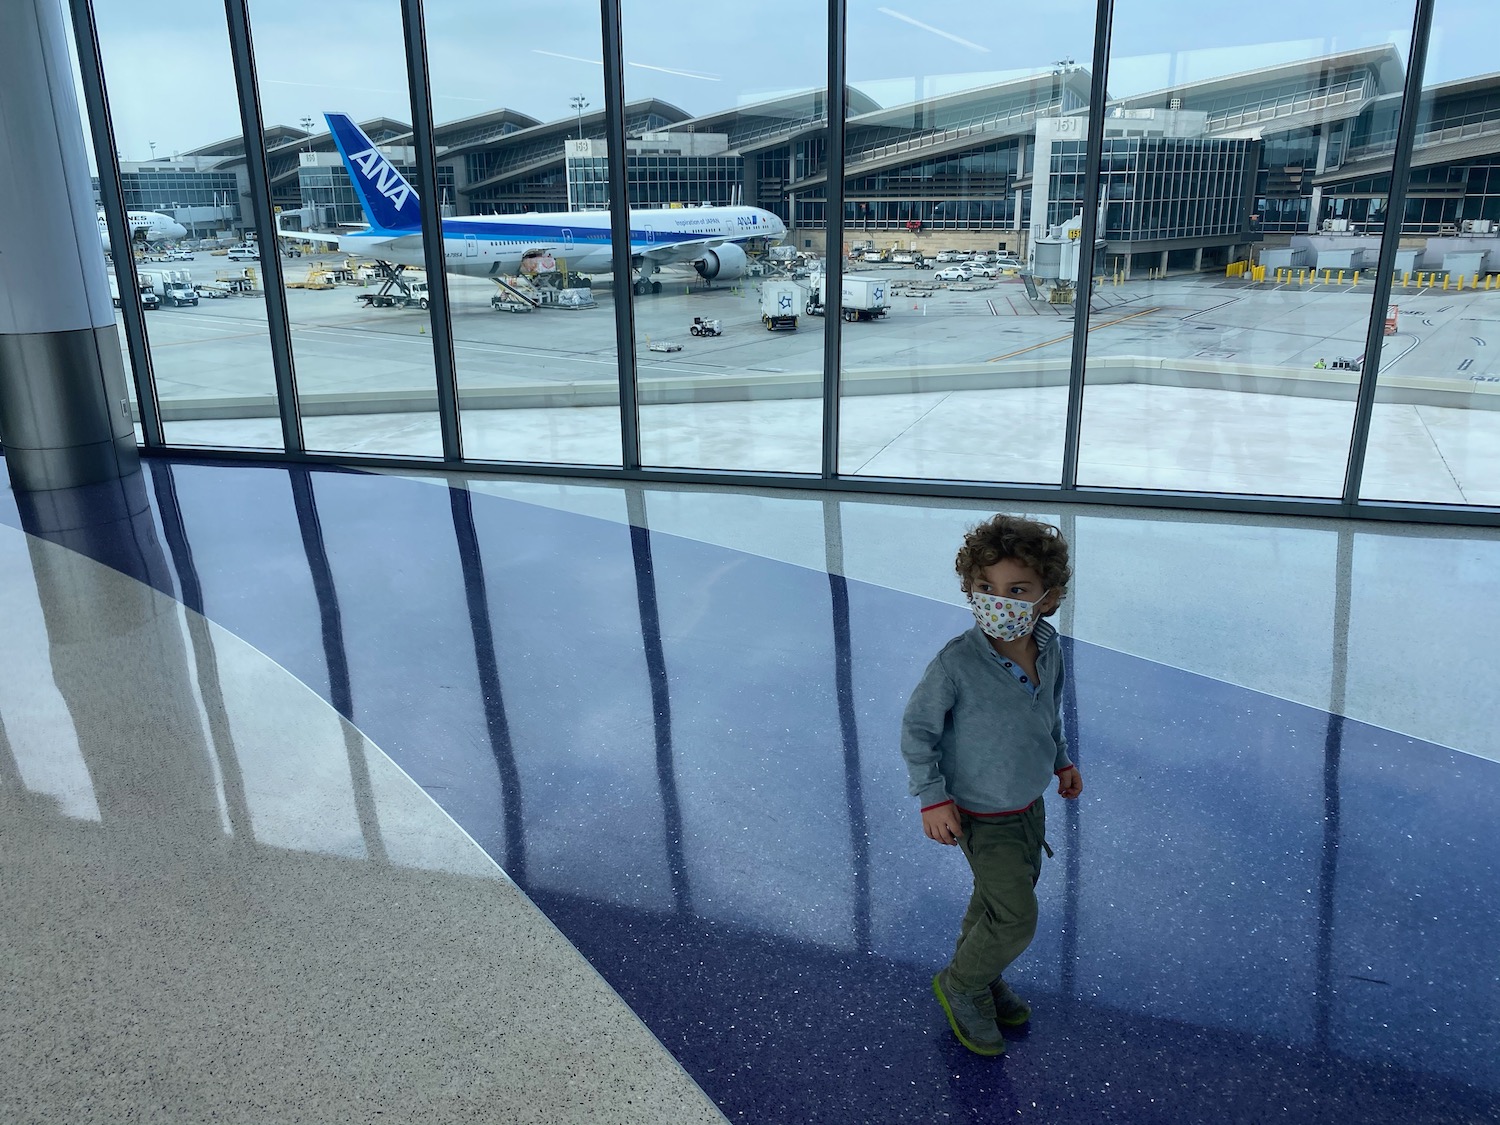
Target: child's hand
x,y
1069,782
942,824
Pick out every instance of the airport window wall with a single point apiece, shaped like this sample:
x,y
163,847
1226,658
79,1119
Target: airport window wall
x,y
1219,421
1157,188
537,382
708,401
658,180
211,360
1232,336
1443,338
927,382
363,366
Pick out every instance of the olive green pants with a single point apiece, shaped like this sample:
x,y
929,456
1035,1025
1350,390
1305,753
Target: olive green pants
x,y
1005,855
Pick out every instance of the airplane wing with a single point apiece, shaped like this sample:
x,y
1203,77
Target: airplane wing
x,y
305,235
308,236
680,251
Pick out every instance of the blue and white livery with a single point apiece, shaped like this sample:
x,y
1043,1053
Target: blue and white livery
x,y
707,238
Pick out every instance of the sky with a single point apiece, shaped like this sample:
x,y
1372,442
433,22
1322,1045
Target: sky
x,y
170,77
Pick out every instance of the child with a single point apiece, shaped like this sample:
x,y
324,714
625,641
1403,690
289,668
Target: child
x,y
982,737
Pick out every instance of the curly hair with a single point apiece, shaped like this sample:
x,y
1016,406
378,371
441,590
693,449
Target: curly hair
x,y
1030,542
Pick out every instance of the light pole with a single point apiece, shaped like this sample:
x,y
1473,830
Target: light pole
x,y
579,104
153,149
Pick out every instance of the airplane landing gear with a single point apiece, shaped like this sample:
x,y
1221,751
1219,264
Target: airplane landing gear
x,y
644,283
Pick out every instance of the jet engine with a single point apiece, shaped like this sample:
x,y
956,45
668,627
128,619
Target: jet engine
x,y
726,262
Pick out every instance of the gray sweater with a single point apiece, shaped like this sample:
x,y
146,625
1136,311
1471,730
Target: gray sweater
x,y
974,734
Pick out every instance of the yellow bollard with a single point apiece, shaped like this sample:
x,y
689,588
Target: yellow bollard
x,y
1326,275
1460,283
1341,277
1406,279
1355,281
1476,282
1445,283
1420,283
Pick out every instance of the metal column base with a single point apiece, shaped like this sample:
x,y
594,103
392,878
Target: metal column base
x,y
64,410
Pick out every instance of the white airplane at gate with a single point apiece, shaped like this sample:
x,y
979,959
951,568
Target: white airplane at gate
x,y
146,226
707,238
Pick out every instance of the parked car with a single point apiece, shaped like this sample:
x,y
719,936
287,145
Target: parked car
x,y
245,252
954,273
997,268
947,255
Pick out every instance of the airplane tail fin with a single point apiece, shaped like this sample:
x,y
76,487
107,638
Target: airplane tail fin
x,y
389,202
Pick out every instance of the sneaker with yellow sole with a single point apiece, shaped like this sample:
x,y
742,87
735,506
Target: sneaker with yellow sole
x,y
971,1015
1010,1009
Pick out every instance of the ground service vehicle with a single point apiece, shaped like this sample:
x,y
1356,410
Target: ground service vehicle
x,y
779,302
245,252
863,298
701,327
400,295
173,287
149,299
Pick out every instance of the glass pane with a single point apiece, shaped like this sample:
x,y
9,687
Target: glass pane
x,y
1435,431
1234,279
356,301
188,198
534,339
88,146
954,367
712,137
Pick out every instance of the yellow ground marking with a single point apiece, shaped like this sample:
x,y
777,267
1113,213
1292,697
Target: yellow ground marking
x,y
1069,336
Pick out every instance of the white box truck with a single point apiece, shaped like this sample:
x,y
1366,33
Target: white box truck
x,y
780,302
864,298
149,299
173,287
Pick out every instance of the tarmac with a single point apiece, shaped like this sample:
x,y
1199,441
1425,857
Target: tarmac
x,y
1196,382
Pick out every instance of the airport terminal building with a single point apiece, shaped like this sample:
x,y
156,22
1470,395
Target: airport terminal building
x,y
1195,175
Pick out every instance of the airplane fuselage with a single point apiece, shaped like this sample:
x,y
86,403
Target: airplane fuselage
x,y
577,240
146,226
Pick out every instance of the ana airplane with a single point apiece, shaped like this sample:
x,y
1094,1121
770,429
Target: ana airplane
x,y
146,226
707,238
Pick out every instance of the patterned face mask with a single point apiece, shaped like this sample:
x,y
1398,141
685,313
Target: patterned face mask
x,y
1005,619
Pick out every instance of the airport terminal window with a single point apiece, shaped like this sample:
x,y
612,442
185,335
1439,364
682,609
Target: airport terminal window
x,y
1203,195
1196,185
1439,410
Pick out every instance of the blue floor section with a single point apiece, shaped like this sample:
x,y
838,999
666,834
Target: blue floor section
x,y
686,756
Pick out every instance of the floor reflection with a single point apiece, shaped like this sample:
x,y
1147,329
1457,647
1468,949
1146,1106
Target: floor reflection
x,y
685,755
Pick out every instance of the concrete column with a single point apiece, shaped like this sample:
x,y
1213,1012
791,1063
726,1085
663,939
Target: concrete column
x,y
1314,210
1315,206
64,408
1198,260
1162,272
1126,266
